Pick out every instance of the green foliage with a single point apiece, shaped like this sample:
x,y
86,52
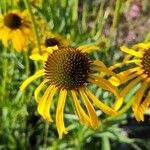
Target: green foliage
x,y
84,22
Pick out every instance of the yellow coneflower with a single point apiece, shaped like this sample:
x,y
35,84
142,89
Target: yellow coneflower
x,y
51,40
16,27
69,70
139,55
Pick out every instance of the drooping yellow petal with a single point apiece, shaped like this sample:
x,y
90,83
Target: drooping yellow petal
x,y
31,78
139,115
42,101
103,83
140,73
129,77
60,113
80,112
128,57
118,103
123,63
2,31
127,72
119,100
51,49
139,95
16,41
1,24
88,48
5,38
146,102
38,57
105,70
102,68
48,104
124,76
38,89
22,38
24,14
130,85
132,52
141,46
92,114
114,81
99,63
99,104
142,108
27,31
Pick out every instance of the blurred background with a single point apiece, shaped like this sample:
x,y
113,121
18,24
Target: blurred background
x,y
108,24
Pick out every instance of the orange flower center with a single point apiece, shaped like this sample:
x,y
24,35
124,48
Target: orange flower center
x,y
67,68
12,21
146,62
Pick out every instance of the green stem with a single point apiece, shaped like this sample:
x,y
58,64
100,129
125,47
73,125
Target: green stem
x,y
100,21
105,143
27,63
123,110
115,20
117,13
84,16
74,12
13,61
147,38
5,73
33,24
46,134
4,6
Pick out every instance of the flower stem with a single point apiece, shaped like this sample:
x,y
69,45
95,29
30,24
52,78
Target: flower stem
x,y
115,22
5,72
147,38
27,63
105,143
33,24
121,111
13,61
46,134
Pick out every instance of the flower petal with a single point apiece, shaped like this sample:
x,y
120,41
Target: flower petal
x,y
80,112
139,95
99,104
124,76
119,100
103,83
31,78
5,37
60,113
118,103
42,101
130,85
48,105
38,57
114,81
123,63
51,49
38,89
140,46
132,52
142,108
99,63
16,41
94,119
127,72
88,48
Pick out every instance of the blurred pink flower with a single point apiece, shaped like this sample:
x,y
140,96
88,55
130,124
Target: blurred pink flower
x,y
106,30
131,35
134,11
